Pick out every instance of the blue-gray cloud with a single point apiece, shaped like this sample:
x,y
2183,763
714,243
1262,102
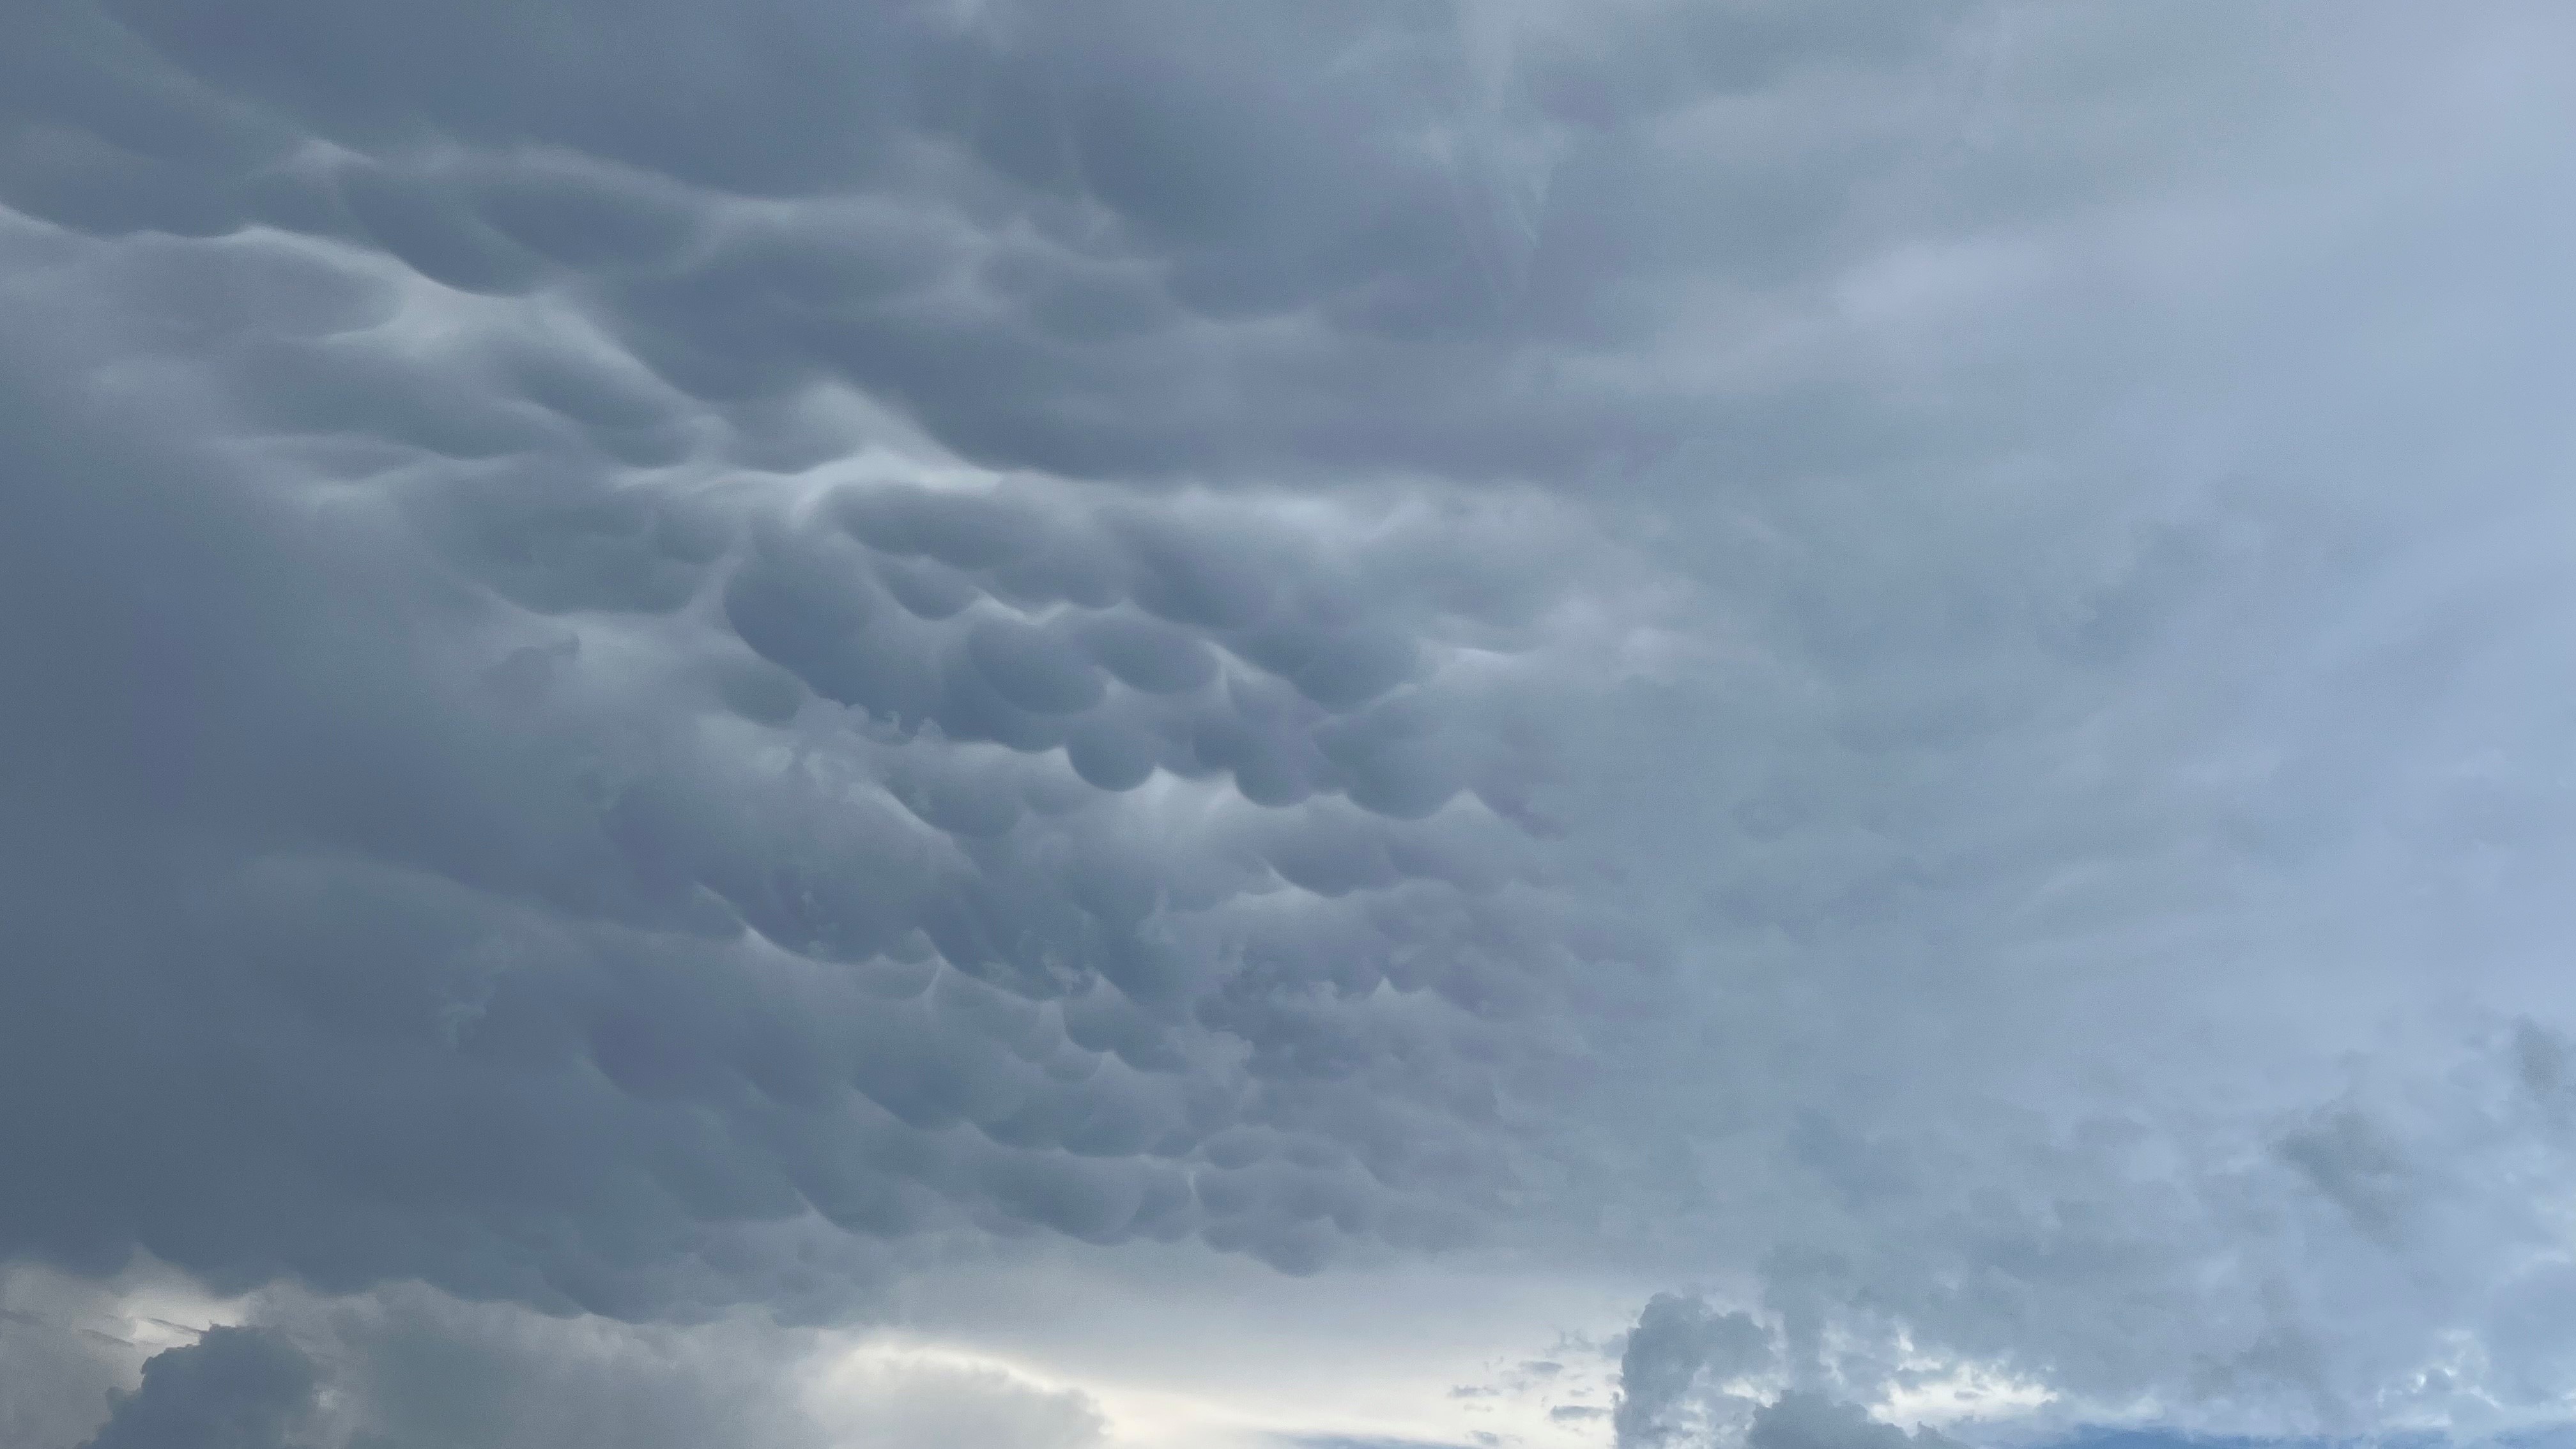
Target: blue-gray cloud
x,y
234,1388
407,1368
1903,664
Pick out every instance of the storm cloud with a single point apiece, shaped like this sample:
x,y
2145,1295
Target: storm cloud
x,y
1858,709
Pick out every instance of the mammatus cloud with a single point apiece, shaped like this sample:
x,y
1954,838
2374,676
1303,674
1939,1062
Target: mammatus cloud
x,y
1889,682
1011,908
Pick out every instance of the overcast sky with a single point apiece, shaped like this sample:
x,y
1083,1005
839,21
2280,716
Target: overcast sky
x,y
1063,724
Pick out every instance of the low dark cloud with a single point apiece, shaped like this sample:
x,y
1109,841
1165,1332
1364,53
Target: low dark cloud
x,y
1798,1420
406,1368
234,1388
1678,1364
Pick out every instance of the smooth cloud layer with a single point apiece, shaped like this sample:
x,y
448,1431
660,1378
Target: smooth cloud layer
x,y
1898,671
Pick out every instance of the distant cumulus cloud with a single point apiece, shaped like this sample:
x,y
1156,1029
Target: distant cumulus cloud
x,y
1860,710
237,1388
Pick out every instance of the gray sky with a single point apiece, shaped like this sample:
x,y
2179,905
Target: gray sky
x,y
1285,726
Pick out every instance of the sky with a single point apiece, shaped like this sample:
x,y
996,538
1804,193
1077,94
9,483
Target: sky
x,y
1117,724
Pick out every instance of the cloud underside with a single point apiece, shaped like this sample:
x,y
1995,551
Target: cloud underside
x,y
1900,669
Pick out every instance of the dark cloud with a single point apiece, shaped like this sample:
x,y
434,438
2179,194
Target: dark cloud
x,y
1345,1442
1798,1420
234,1388
1136,241
799,905
663,657
1691,1375
1680,1355
405,1368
